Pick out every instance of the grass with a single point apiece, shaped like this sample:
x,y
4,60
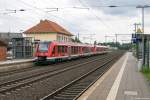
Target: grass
x,y
146,72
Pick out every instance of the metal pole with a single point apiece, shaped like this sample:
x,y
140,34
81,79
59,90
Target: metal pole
x,y
135,27
147,53
143,19
116,40
105,38
143,41
78,36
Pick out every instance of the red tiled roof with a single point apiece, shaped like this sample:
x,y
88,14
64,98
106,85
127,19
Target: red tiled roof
x,y
47,26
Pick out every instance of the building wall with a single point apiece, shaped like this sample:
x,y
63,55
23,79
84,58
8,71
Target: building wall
x,y
43,36
63,38
3,53
50,37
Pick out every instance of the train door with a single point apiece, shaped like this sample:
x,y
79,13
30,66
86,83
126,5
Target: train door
x,y
53,51
69,51
66,50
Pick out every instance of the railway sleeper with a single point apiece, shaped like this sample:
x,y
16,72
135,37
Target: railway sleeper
x,y
62,98
75,89
68,93
82,84
78,88
66,96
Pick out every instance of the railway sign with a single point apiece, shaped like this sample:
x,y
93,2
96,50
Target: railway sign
x,y
136,38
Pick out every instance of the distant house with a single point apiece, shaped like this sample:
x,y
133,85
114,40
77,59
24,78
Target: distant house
x,y
48,31
7,37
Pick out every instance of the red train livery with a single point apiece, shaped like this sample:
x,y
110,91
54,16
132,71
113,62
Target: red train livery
x,y
56,51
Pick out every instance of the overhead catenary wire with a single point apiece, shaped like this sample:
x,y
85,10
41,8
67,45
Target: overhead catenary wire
x,y
105,6
96,16
47,12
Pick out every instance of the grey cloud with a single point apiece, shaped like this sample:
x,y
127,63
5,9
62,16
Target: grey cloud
x,y
78,21
121,11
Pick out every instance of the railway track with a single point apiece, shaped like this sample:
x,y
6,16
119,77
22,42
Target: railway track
x,y
21,82
43,69
74,89
16,71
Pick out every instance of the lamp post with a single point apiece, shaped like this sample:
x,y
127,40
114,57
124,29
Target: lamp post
x,y
143,38
142,7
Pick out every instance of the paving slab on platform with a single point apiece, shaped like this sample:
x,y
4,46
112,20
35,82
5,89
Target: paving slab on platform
x,y
15,64
121,82
15,61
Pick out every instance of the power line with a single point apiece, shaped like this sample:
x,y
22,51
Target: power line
x,y
46,12
119,6
97,17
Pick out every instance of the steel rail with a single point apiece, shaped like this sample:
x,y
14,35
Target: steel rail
x,y
73,93
14,84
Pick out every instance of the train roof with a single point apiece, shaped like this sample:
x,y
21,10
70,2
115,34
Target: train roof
x,y
102,46
74,44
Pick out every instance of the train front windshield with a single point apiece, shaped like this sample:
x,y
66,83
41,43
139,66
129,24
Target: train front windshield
x,y
43,46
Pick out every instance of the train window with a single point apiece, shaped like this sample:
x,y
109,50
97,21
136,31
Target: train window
x,y
75,50
63,49
59,49
84,49
72,50
43,46
79,49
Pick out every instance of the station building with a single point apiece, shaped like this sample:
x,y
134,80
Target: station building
x,y
47,30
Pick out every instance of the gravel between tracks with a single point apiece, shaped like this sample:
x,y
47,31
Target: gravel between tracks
x,y
40,69
44,87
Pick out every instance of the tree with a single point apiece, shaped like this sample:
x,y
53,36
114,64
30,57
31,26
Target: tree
x,y
95,42
77,40
125,46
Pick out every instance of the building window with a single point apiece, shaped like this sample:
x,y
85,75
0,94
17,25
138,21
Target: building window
x,y
62,38
59,38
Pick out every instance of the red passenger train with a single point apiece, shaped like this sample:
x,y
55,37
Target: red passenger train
x,y
57,51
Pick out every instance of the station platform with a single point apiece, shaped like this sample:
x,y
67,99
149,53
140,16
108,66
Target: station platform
x,y
122,82
14,64
14,61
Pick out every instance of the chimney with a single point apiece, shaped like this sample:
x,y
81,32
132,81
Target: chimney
x,y
41,20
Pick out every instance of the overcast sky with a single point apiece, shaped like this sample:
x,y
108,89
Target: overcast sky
x,y
98,19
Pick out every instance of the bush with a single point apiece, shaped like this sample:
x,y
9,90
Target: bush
x,y
146,72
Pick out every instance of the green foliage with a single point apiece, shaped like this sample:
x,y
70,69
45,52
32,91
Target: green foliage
x,y
124,46
134,46
95,42
76,40
146,72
